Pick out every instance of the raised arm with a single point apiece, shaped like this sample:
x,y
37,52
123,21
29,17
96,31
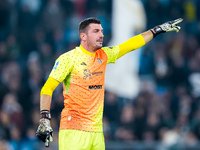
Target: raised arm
x,y
143,38
148,36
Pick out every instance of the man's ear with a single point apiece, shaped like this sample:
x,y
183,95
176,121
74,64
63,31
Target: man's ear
x,y
83,36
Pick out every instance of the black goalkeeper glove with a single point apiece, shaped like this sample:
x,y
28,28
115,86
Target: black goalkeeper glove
x,y
167,27
44,131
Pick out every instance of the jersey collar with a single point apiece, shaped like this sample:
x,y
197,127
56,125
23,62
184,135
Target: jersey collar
x,y
86,52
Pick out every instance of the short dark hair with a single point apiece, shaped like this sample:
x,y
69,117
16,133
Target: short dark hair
x,y
86,22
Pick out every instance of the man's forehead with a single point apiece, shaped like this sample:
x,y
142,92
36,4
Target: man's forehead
x,y
95,26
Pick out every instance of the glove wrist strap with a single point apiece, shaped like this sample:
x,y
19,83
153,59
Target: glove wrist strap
x,y
45,114
156,30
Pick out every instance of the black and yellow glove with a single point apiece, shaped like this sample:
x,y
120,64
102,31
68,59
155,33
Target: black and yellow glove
x,y
167,27
45,131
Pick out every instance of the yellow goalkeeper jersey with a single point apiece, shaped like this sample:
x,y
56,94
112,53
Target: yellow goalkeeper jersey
x,y
82,74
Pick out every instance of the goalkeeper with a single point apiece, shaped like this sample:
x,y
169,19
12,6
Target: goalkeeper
x,y
82,72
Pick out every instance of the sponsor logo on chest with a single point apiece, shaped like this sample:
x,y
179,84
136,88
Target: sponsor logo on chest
x,y
95,87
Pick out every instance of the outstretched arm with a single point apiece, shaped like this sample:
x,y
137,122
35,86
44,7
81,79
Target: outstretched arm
x,y
143,38
148,36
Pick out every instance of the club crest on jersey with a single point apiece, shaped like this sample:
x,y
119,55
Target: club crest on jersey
x,y
56,65
87,74
99,61
84,64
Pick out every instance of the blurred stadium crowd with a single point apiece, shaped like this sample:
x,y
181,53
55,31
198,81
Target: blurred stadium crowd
x,y
33,33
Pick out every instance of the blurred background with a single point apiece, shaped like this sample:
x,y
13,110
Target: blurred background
x,y
159,106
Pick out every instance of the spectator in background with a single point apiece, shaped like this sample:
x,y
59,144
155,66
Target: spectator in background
x,y
126,129
52,17
111,117
5,124
12,79
13,108
5,145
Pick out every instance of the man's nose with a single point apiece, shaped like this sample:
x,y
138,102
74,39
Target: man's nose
x,y
101,34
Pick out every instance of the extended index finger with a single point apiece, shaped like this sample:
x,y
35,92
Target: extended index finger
x,y
177,21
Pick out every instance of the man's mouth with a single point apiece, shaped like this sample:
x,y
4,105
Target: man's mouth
x,y
101,41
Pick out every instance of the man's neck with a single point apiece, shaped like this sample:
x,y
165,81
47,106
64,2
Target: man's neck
x,y
88,48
